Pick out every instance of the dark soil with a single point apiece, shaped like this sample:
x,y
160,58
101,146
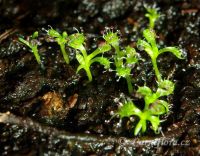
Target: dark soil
x,y
55,112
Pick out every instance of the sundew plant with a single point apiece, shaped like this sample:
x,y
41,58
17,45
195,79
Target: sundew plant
x,y
149,45
153,108
32,43
76,41
124,60
61,39
154,104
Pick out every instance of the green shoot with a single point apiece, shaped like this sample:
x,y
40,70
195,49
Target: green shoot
x,y
149,45
124,59
154,107
61,39
152,14
129,109
165,88
33,45
76,41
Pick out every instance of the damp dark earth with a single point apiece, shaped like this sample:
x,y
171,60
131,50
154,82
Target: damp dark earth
x,y
54,110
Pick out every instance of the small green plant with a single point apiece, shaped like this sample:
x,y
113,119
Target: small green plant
x,y
33,45
152,14
76,41
124,59
149,45
154,107
61,39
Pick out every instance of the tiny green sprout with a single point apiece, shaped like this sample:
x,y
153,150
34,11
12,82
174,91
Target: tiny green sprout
x,y
165,88
33,45
76,41
154,107
61,39
153,15
124,59
149,45
129,109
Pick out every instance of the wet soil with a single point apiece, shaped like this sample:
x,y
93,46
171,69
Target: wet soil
x,y
56,112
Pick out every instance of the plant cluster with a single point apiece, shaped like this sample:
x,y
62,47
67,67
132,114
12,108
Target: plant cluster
x,y
154,106
124,60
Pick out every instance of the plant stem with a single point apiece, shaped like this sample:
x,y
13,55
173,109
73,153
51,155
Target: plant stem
x,y
65,55
88,72
151,23
83,51
130,87
118,52
155,67
36,54
37,57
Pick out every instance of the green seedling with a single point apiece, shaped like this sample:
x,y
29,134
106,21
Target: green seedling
x,y
124,59
61,39
33,45
76,41
152,14
149,45
154,107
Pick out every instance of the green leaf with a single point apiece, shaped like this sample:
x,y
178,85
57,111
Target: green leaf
x,y
101,49
165,104
25,42
79,68
146,46
153,15
64,34
159,107
144,125
123,71
111,38
155,122
76,40
118,62
35,35
144,91
130,51
173,50
150,37
152,12
161,92
138,127
128,109
104,61
165,87
80,58
150,99
143,44
53,33
131,57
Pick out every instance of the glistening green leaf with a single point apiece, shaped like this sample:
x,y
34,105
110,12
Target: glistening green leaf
x,y
61,39
173,50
